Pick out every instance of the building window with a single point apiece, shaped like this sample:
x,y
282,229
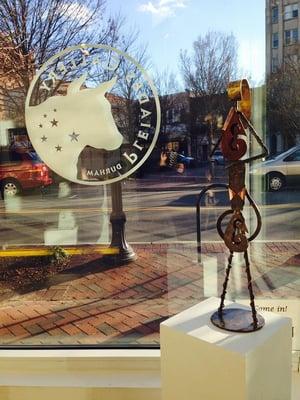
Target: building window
x,y
291,11
275,15
291,36
176,115
275,64
275,40
170,115
182,115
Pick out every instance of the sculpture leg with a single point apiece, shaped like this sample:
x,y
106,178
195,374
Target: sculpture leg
x,y
237,319
228,269
250,289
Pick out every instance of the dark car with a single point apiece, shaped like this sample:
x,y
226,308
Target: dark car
x,y
187,161
21,171
218,158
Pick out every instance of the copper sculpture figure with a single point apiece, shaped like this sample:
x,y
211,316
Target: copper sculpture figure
x,y
235,237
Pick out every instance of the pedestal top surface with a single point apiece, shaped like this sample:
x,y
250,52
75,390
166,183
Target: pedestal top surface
x,y
195,322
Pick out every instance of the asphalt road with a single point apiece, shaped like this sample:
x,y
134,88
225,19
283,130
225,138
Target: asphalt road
x,y
154,214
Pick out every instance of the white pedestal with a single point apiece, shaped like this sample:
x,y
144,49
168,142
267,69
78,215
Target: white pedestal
x,y
60,237
66,220
65,234
202,362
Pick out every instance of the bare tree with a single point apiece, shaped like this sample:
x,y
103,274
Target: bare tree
x,y
283,102
31,31
212,64
167,87
126,88
206,73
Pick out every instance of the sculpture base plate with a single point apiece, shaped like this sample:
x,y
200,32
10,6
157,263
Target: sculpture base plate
x,y
237,320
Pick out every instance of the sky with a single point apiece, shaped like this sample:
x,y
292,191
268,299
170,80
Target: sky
x,y
168,26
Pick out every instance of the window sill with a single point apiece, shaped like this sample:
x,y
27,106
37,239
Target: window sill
x,y
290,18
87,374
80,368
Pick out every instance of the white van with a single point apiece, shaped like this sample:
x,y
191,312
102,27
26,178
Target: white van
x,y
281,171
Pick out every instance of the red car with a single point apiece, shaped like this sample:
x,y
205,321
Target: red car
x,y
20,171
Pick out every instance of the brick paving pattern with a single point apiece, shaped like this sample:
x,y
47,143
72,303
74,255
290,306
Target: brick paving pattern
x,y
103,305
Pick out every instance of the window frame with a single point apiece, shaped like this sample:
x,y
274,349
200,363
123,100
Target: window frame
x,y
291,11
290,37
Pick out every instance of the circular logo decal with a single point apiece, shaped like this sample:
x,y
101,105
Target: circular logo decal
x,y
92,114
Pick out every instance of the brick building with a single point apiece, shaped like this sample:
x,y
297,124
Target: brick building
x,y
282,33
12,67
282,62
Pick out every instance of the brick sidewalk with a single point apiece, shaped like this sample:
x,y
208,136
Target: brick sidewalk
x,y
98,304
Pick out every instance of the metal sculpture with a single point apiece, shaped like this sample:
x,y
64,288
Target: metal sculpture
x,y
234,148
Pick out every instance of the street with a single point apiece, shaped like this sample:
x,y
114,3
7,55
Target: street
x,y
155,212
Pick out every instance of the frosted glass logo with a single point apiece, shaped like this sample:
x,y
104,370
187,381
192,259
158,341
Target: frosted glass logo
x,y
92,114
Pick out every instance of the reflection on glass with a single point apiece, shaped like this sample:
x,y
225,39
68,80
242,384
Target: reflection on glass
x,y
60,282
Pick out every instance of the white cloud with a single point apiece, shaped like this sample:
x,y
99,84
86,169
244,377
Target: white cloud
x,y
76,11
161,9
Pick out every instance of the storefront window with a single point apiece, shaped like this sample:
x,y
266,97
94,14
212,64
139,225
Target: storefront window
x,y
109,115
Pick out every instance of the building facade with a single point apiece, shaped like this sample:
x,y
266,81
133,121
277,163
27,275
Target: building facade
x,y
282,33
282,73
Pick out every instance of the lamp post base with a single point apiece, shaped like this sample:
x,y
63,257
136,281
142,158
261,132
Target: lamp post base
x,y
123,251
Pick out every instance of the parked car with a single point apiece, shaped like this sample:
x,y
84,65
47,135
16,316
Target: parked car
x,y
280,171
21,171
218,158
187,161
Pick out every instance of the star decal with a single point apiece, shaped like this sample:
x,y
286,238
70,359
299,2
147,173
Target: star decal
x,y
44,138
54,122
74,136
58,148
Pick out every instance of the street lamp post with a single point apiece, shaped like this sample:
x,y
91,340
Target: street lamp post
x,y
125,252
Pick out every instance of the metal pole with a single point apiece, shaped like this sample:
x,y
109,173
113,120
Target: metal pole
x,y
125,252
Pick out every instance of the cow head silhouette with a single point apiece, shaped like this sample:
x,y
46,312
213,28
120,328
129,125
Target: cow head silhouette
x,y
62,126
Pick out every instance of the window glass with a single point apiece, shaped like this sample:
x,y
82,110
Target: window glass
x,y
7,157
291,11
295,35
291,36
294,156
275,64
275,40
275,15
110,112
